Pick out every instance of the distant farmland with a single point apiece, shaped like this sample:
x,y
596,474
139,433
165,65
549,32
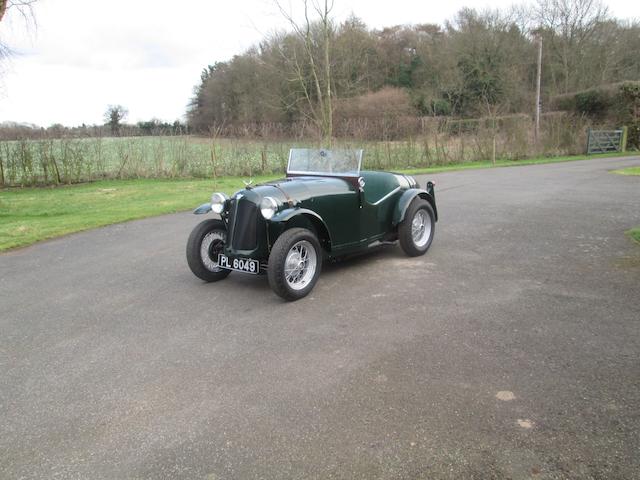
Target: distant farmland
x,y
74,160
33,162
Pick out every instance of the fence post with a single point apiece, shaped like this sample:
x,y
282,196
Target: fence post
x,y
1,169
623,142
588,141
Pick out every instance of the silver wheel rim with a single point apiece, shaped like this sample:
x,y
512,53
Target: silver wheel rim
x,y
300,265
421,228
209,248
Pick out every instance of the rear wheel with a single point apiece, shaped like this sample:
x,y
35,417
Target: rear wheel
x,y
205,243
295,263
416,230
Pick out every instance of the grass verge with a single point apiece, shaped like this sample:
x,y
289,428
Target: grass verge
x,y
28,215
517,163
634,233
628,171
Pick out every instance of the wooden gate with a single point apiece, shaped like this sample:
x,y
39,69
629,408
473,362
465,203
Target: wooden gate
x,y
605,141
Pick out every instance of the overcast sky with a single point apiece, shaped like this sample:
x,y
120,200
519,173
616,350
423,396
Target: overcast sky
x,y
148,54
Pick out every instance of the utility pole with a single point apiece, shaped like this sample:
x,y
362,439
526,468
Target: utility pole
x,y
539,77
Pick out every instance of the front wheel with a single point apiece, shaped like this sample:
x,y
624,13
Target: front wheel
x,y
205,243
294,263
416,230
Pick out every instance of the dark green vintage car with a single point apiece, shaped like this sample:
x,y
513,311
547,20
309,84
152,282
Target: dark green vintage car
x,y
325,208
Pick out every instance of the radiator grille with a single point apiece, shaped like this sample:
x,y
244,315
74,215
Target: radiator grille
x,y
243,223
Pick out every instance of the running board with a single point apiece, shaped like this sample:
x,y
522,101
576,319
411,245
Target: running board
x,y
379,243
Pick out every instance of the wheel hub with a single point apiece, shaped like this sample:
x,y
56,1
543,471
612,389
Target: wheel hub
x,y
300,265
212,244
420,228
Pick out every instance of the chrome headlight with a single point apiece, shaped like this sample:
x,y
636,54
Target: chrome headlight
x,y
218,201
268,207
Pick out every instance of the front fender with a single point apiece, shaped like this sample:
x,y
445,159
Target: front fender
x,y
288,213
406,199
204,208
316,220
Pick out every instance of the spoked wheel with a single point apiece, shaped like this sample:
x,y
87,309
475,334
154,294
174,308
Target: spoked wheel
x,y
300,265
416,230
295,263
205,243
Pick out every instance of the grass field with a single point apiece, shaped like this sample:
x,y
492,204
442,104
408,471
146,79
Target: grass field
x,y
28,215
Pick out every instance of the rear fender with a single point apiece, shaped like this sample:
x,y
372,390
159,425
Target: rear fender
x,y
408,196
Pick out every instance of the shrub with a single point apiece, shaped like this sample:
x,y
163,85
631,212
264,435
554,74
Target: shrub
x,y
594,103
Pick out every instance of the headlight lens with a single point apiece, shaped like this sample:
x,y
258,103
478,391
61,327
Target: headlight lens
x,y
268,207
218,201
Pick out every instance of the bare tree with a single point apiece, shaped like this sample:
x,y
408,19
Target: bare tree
x,y
318,64
571,24
23,8
479,64
114,116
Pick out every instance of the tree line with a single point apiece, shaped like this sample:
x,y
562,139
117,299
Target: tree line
x,y
478,64
114,126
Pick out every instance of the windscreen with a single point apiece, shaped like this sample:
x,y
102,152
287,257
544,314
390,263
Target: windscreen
x,y
325,162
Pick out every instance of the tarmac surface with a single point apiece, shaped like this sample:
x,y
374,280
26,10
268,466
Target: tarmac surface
x,y
510,350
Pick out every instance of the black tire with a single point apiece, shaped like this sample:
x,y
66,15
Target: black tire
x,y
282,282
203,268
411,245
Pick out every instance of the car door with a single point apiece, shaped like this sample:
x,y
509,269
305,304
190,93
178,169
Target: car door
x,y
341,212
378,200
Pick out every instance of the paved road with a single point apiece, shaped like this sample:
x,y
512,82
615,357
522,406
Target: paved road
x,y
511,350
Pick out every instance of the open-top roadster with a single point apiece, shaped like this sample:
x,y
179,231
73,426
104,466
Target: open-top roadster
x,y
324,208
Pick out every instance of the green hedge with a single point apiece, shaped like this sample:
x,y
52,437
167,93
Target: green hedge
x,y
609,105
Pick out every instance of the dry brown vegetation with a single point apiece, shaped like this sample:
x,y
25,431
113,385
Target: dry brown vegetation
x,y
409,142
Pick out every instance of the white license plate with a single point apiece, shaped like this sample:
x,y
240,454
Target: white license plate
x,y
246,265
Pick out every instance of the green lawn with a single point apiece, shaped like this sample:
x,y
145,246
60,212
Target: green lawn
x,y
634,233
628,171
28,215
